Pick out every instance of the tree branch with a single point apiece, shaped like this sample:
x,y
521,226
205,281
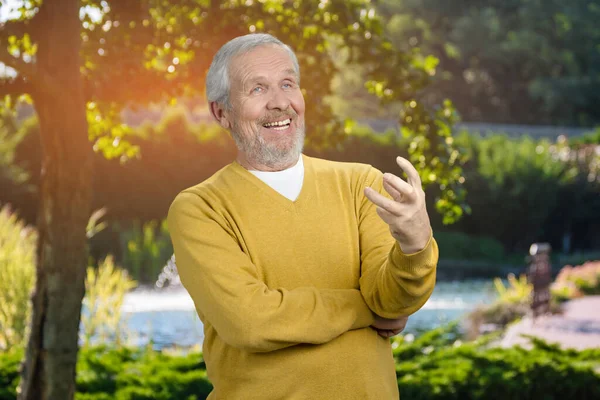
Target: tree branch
x,y
19,27
16,28
14,87
24,69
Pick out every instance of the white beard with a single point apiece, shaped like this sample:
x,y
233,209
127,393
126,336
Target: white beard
x,y
260,152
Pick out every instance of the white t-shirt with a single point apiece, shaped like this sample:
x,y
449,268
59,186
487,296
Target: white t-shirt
x,y
287,182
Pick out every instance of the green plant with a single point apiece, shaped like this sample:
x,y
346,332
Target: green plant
x,y
462,246
572,282
514,185
10,363
146,249
17,277
511,304
517,292
106,287
475,371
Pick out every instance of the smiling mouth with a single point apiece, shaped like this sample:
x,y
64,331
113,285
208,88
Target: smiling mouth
x,y
278,125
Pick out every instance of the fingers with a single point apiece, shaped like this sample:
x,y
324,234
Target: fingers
x,y
411,173
396,195
398,185
388,333
388,205
386,216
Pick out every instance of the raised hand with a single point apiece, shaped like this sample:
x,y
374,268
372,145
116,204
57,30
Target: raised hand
x,y
405,213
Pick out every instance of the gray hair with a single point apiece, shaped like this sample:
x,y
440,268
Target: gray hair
x,y
217,79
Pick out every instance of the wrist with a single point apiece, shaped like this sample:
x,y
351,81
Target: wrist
x,y
414,244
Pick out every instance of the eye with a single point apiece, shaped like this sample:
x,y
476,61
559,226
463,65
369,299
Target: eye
x,y
257,89
287,85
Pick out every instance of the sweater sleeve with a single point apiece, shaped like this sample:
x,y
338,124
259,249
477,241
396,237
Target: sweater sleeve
x,y
229,295
392,283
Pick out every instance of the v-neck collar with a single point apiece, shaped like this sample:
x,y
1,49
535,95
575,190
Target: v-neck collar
x,y
302,198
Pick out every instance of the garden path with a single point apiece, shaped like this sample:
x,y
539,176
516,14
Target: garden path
x,y
578,327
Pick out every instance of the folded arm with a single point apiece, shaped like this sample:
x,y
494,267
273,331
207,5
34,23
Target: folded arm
x,y
228,293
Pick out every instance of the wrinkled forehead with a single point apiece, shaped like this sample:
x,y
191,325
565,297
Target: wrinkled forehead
x,y
266,61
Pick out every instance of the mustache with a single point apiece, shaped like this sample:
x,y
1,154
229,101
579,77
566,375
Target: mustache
x,y
275,116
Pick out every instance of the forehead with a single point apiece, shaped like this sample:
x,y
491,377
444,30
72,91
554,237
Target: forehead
x,y
268,61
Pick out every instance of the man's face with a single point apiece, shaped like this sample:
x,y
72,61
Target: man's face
x,y
266,118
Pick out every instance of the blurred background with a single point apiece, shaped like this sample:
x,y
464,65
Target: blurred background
x,y
497,103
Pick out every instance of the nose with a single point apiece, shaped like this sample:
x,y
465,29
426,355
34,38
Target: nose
x,y
278,100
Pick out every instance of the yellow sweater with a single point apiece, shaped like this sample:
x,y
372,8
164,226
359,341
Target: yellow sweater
x,y
285,288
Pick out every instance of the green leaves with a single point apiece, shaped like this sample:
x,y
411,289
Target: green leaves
x,y
435,155
106,287
515,61
17,278
456,370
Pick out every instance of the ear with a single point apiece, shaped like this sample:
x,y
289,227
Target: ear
x,y
220,114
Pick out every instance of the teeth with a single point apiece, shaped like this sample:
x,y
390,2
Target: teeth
x,y
280,123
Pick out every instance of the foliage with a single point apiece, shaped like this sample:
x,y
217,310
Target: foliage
x,y
461,246
106,287
17,277
10,363
572,282
10,136
146,249
153,52
498,173
520,61
592,137
518,291
435,365
477,371
438,159
174,41
511,304
137,374
514,186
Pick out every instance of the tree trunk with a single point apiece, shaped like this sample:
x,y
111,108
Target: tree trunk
x,y
65,201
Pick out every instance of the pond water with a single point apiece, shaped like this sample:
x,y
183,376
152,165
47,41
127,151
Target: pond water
x,y
167,317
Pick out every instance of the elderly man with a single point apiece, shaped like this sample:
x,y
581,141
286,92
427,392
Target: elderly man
x,y
289,259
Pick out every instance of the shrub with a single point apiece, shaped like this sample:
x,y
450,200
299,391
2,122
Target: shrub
x,y
106,287
572,282
10,363
473,371
513,187
513,303
461,246
137,374
435,365
146,249
17,277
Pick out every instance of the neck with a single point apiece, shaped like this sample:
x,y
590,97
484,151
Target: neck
x,y
256,166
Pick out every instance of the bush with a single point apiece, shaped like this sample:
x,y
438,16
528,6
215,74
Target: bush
x,y
461,246
445,368
106,287
435,365
128,374
10,363
573,282
17,277
513,187
146,248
